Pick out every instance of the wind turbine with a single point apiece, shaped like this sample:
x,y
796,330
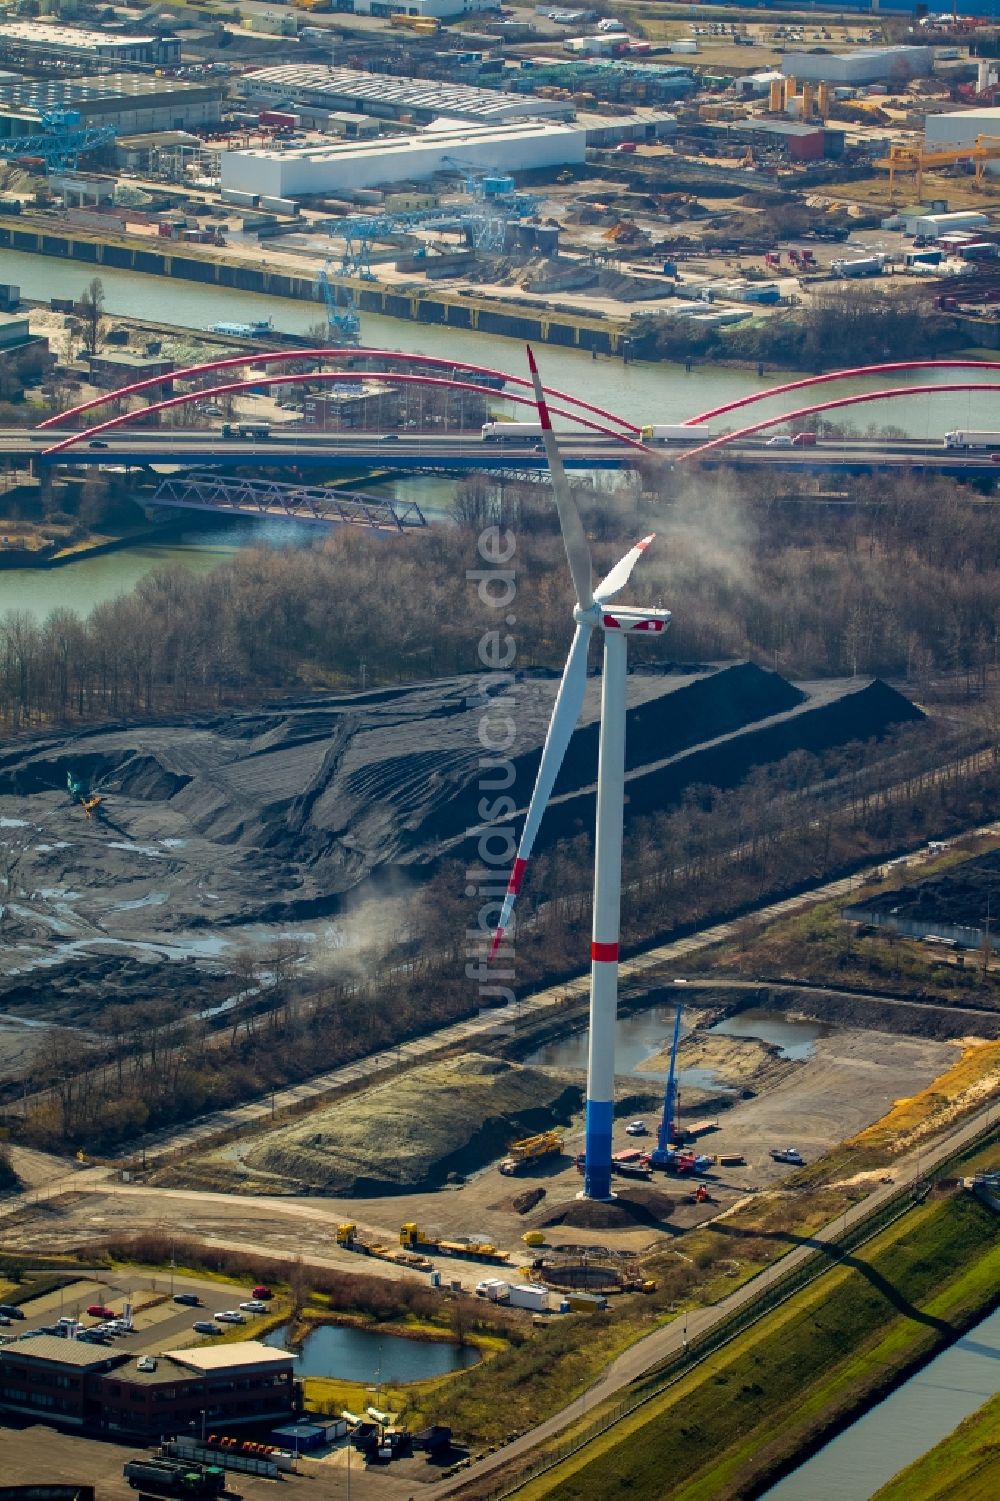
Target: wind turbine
x,y
591,612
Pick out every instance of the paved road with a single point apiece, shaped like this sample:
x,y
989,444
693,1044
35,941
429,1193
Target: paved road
x,y
298,447
670,1340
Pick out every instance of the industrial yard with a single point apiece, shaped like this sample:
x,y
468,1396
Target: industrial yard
x,y
320,1148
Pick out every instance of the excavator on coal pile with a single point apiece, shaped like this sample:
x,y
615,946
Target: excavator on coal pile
x,y
89,801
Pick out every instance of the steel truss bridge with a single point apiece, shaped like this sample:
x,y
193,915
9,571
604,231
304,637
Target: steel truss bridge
x,y
256,497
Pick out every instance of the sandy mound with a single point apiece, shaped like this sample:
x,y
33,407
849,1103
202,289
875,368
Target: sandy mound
x,y
451,1116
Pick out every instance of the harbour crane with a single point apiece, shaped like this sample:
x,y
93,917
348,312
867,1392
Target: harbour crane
x,y
341,316
61,142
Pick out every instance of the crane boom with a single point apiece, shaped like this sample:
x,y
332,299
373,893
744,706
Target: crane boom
x,y
668,1125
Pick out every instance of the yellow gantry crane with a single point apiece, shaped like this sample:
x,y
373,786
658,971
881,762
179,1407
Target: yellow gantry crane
x,y
907,158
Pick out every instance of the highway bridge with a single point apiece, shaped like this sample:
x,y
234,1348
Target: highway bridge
x,y
593,437
295,449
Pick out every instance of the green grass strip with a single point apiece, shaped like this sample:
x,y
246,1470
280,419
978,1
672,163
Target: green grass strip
x,y
778,1387
965,1464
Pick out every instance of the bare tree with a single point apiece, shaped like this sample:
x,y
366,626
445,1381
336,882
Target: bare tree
x,y
90,309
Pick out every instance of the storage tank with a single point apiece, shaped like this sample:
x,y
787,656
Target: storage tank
x,y
823,100
789,91
775,96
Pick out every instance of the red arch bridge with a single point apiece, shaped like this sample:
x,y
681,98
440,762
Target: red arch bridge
x,y
591,436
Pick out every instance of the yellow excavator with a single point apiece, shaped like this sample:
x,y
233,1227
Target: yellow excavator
x,y
89,801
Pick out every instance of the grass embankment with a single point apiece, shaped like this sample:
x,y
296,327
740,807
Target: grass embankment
x,y
721,1432
965,1464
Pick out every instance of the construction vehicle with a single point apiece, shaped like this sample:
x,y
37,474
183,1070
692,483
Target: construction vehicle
x,y
531,1149
414,1239
422,25
79,792
663,1157
804,259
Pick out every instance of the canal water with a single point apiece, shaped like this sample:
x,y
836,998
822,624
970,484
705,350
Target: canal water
x,y
644,392
906,1425
92,581
366,1355
642,1035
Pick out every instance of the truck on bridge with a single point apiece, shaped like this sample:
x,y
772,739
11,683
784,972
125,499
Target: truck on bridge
x,y
677,432
962,438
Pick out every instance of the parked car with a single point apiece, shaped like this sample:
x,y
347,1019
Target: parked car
x,y
254,1305
206,1326
12,1311
190,1300
99,1311
231,1316
262,1292
636,1128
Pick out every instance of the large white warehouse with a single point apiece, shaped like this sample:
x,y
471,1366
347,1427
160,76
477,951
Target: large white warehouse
x,y
961,126
390,97
342,165
868,65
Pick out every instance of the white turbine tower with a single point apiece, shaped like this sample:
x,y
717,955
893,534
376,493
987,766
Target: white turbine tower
x,y
590,613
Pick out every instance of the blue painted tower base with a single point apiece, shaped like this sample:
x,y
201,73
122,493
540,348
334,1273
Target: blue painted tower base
x,y
597,1151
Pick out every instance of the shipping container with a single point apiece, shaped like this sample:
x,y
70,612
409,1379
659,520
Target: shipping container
x,y
529,1295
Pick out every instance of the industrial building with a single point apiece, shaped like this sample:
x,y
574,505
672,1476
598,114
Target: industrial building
x,y
97,1390
866,65
345,165
416,100
37,41
131,102
960,127
799,140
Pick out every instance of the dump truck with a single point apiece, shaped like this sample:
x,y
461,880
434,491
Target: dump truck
x,y
531,1149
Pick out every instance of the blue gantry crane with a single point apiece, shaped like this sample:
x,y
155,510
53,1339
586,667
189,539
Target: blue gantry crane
x,y
341,315
61,142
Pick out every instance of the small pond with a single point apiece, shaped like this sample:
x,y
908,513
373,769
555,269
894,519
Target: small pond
x,y
797,1039
369,1356
646,1033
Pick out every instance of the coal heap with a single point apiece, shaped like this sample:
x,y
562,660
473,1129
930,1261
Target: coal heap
x,y
277,814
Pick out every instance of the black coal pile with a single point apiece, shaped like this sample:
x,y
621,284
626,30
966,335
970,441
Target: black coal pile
x,y
213,825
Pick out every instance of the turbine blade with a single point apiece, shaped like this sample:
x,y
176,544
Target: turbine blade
x,y
574,538
565,713
616,580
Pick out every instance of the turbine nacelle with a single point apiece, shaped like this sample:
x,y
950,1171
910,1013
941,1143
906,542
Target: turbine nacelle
x,y
628,618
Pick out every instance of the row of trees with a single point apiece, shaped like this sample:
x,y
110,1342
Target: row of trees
x,y
903,583
841,326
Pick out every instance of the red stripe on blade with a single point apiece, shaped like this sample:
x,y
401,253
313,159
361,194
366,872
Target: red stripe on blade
x,y
516,876
497,941
604,953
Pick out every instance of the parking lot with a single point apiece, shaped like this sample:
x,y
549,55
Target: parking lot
x,y
160,1323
